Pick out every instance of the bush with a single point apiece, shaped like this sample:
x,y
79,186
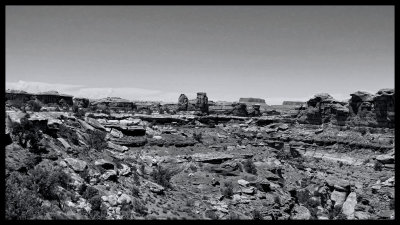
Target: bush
x,y
17,103
46,181
233,216
378,166
249,166
198,137
35,105
95,201
211,214
227,189
75,108
97,140
69,134
90,192
25,132
21,203
135,191
256,215
162,176
139,207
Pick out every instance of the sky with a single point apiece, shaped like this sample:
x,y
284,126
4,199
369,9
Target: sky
x,y
158,52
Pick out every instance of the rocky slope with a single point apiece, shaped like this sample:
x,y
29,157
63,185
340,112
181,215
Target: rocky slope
x,y
318,163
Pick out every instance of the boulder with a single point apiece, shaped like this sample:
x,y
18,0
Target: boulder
x,y
130,141
386,158
116,133
123,199
300,213
155,188
85,125
249,190
126,170
76,164
109,175
243,183
113,200
338,197
361,215
214,158
129,130
116,147
65,143
349,204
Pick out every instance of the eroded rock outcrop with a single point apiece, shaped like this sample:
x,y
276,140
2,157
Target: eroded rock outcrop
x,y
384,107
183,102
202,102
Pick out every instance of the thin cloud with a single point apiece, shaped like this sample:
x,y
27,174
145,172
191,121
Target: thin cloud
x,y
95,93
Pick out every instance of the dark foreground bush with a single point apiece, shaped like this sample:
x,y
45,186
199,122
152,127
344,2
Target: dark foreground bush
x,y
46,182
227,189
249,166
97,140
21,203
162,176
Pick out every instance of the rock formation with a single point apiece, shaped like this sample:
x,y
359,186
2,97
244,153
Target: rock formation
x,y
240,109
384,107
322,108
255,110
202,102
183,102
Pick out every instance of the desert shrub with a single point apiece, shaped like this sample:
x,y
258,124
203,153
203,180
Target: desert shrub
x,y
95,201
75,108
69,134
256,215
249,166
233,216
227,189
341,164
193,168
190,202
85,175
139,207
99,213
31,162
277,200
90,192
126,211
46,181
136,178
198,137
91,115
17,103
341,216
303,196
79,113
35,105
135,191
391,204
211,214
378,166
142,168
21,202
162,176
25,132
97,140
